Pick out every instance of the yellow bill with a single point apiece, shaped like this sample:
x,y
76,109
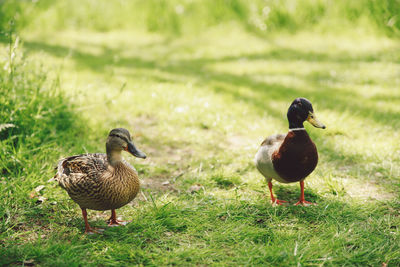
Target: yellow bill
x,y
314,122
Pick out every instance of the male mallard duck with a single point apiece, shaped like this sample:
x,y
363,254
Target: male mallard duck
x,y
292,157
101,181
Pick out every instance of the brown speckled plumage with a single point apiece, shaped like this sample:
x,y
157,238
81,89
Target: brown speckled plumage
x,y
101,181
94,184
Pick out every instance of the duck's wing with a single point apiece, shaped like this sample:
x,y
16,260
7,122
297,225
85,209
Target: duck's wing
x,y
78,172
273,139
263,158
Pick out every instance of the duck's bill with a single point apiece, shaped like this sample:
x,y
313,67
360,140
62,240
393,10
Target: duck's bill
x,y
134,151
314,121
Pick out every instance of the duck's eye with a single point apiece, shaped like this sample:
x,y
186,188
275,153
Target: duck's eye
x,y
117,135
312,117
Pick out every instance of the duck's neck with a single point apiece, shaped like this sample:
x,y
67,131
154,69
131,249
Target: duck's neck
x,y
297,136
296,129
296,125
113,157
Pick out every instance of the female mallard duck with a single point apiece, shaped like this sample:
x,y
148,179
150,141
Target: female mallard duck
x,y
101,181
292,157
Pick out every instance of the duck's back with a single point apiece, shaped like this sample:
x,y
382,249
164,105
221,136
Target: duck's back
x,y
94,184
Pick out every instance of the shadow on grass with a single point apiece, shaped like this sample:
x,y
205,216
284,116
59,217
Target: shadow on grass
x,y
204,222
229,83
264,93
292,193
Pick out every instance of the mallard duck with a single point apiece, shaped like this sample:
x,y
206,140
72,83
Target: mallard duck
x,y
291,157
102,181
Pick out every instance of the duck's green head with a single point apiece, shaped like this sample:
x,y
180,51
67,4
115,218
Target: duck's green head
x,y
120,139
301,110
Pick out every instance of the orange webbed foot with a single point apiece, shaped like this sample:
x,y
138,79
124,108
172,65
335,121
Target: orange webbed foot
x,y
116,222
278,202
112,221
304,203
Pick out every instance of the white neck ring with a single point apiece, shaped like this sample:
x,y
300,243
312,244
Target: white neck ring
x,y
297,129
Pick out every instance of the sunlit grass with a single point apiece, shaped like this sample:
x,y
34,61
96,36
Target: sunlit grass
x,y
199,106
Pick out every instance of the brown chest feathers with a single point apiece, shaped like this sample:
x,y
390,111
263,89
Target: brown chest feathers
x,y
120,186
296,158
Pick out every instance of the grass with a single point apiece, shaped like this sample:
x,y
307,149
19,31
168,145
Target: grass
x,y
199,105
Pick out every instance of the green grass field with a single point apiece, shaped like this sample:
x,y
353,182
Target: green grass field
x,y
199,97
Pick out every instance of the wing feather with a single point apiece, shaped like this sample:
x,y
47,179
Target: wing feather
x,y
81,172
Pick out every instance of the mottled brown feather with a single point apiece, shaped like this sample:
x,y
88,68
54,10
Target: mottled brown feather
x,y
94,184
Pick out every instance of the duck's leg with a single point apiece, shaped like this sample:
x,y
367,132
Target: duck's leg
x,y
113,220
274,200
88,229
302,201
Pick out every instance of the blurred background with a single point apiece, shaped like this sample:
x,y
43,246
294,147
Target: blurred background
x,y
191,16
200,84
